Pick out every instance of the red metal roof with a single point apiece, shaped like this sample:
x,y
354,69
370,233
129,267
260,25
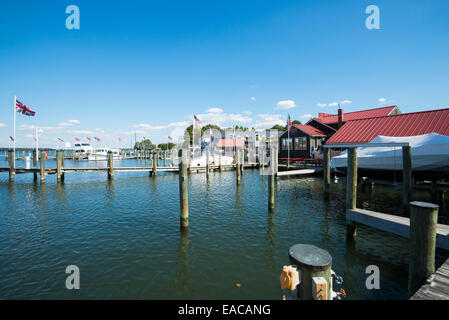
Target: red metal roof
x,y
364,114
401,125
230,143
311,131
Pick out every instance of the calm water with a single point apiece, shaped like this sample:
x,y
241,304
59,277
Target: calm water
x,y
124,236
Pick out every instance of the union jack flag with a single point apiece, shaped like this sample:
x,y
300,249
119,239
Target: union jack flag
x,y
23,109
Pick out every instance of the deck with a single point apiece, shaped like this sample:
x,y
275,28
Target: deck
x,y
438,289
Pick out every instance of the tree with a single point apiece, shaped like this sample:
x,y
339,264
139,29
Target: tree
x,y
144,145
296,122
166,146
278,128
203,129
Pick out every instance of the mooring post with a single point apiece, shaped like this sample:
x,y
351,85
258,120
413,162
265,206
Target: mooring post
x,y
221,164
155,160
42,167
11,165
423,228
110,166
237,166
58,165
351,191
315,269
406,176
34,165
207,162
183,189
242,161
165,158
326,170
271,178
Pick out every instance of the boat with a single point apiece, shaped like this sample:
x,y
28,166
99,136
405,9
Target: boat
x,y
83,149
200,160
430,152
101,154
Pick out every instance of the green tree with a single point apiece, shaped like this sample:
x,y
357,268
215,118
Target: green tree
x,y
296,122
278,128
166,146
144,145
189,129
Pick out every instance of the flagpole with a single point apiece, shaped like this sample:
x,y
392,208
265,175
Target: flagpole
x,y
14,142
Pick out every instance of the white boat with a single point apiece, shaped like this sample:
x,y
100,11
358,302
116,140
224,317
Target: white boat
x,y
101,154
200,160
83,149
430,152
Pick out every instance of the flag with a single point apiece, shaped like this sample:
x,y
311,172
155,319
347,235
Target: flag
x,y
97,139
60,140
119,140
289,123
12,139
197,121
88,139
35,139
76,139
170,138
23,109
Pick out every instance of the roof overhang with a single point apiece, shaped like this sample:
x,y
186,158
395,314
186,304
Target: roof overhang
x,y
366,145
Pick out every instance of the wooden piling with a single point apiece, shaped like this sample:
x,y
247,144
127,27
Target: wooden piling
x,y
11,165
351,191
406,176
242,161
58,165
34,164
110,166
237,166
155,161
165,158
271,178
42,166
326,170
183,190
207,162
221,163
423,226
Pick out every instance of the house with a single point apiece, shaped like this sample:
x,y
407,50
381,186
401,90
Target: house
x,y
399,125
306,140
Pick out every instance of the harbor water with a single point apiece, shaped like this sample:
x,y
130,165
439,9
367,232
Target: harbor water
x,y
125,238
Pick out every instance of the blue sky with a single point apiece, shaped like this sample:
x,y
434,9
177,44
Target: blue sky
x,y
148,66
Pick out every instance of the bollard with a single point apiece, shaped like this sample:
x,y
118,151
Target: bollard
x,y
271,180
314,264
326,170
42,166
110,166
183,189
406,176
34,164
351,191
423,228
12,170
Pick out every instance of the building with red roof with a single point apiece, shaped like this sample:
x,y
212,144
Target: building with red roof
x,y
399,125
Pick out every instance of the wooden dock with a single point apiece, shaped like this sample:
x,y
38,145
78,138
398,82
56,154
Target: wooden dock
x,y
394,224
438,288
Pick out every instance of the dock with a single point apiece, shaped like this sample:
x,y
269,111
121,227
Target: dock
x,y
438,288
394,224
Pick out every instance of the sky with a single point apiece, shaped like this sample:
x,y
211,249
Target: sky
x,y
145,68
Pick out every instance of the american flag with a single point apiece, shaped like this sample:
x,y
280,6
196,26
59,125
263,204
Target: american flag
x,y
76,139
197,121
12,139
23,109
60,140
289,123
88,139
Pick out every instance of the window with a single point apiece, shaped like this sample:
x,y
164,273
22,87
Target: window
x,y
300,143
286,143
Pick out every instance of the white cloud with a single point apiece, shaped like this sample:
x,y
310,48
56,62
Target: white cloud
x,y
252,98
79,132
2,125
333,104
247,112
321,105
214,110
269,120
382,100
285,105
74,121
346,102
66,124
306,116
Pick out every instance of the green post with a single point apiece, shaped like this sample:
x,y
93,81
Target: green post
x,y
183,190
351,191
423,228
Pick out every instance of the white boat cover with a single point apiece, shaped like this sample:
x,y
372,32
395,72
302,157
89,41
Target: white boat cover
x,y
429,152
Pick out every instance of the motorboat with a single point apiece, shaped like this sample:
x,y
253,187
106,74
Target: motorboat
x,y
101,154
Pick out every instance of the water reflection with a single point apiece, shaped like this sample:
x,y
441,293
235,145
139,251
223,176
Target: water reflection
x,y
183,280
